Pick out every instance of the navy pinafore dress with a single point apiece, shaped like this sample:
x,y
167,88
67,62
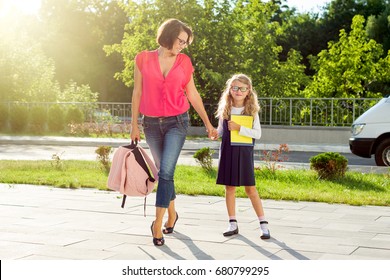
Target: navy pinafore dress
x,y
236,163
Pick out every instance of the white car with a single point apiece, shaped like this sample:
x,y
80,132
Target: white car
x,y
371,133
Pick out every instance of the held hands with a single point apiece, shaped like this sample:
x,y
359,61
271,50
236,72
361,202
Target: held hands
x,y
212,133
233,126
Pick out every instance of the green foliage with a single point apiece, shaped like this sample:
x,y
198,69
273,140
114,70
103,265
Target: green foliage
x,y
378,27
75,33
230,37
75,93
267,40
329,165
103,155
204,157
259,53
74,115
27,73
18,118
4,116
350,66
38,119
56,121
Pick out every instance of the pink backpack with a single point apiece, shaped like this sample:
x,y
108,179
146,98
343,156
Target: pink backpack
x,y
130,172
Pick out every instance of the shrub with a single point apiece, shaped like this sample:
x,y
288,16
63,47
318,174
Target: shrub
x,y
38,119
56,118
80,129
103,155
56,161
18,118
203,156
329,165
4,116
273,158
74,115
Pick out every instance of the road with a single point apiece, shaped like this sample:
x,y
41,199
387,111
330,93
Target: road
x,y
43,152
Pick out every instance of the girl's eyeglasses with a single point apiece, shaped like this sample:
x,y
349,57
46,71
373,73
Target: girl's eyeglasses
x,y
182,42
236,88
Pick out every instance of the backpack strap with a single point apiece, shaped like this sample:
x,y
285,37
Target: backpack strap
x,y
123,176
151,164
140,156
123,200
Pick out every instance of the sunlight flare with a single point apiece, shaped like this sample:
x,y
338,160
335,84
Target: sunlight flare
x,y
28,7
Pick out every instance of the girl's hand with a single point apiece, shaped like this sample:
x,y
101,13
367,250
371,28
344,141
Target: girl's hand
x,y
233,126
212,133
135,134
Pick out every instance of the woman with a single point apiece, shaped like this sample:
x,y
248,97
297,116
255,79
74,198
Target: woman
x,y
163,85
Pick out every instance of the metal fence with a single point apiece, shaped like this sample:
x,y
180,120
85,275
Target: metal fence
x,y
274,111
313,111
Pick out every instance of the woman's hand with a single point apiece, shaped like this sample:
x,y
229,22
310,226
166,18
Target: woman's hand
x,y
135,134
233,126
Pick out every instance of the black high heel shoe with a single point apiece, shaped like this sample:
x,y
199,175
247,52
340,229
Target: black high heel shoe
x,y
157,241
168,230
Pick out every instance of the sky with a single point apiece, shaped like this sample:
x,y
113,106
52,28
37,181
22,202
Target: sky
x,y
307,5
32,6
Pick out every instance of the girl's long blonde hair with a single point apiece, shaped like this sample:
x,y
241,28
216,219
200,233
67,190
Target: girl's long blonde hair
x,y
251,103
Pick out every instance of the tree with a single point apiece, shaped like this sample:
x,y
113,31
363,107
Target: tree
x,y
74,33
339,13
350,67
378,27
230,37
27,74
309,33
75,93
259,52
302,33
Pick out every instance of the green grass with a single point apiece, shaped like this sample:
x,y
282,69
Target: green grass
x,y
294,185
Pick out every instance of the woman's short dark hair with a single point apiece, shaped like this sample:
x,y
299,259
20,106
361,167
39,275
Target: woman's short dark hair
x,y
169,31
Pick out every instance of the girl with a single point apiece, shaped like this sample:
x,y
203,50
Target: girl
x,y
236,164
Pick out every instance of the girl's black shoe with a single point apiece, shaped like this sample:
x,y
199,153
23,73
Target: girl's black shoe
x,y
232,228
266,236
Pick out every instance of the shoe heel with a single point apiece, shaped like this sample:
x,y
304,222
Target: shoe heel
x,y
168,230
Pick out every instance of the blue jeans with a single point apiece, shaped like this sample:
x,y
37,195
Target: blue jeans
x,y
165,137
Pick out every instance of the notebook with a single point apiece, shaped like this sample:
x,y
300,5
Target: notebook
x,y
235,138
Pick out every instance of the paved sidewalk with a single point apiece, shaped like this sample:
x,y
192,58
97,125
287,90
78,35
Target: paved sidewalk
x,y
47,223
44,223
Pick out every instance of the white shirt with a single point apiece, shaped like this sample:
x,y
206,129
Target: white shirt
x,y
254,132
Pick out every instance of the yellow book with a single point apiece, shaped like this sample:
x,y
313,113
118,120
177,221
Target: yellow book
x,y
235,138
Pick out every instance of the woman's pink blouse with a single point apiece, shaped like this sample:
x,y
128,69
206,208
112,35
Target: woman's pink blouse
x,y
163,96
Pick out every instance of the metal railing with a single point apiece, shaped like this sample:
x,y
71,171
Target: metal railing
x,y
313,111
274,111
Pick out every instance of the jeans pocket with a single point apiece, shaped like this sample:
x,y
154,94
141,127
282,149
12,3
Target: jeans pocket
x,y
183,125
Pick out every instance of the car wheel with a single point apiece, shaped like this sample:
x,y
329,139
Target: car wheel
x,y
382,154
